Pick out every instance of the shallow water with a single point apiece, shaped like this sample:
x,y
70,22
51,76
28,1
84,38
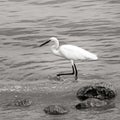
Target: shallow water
x,y
24,24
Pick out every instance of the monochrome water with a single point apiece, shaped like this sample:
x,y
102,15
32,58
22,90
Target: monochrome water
x,y
27,70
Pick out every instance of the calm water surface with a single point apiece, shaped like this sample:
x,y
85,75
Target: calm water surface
x,y
91,24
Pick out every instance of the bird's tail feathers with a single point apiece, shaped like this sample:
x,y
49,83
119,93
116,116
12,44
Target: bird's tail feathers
x,y
93,56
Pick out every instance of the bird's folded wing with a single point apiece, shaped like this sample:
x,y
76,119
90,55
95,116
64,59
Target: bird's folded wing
x,y
75,53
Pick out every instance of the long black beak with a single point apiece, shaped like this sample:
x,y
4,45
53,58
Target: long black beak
x,y
44,43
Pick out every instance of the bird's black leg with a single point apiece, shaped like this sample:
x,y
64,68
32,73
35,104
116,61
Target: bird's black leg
x,y
73,72
76,72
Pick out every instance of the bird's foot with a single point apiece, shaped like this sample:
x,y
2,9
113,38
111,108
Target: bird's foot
x,y
56,78
76,78
75,81
59,78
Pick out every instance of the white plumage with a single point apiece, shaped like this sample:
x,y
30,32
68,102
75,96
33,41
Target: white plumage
x,y
71,53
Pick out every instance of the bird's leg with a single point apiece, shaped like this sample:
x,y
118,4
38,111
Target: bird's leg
x,y
76,72
73,72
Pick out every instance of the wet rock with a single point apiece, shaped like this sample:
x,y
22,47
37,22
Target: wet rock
x,y
19,102
56,110
22,102
102,91
92,103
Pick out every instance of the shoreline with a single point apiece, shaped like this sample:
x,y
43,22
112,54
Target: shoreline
x,y
45,86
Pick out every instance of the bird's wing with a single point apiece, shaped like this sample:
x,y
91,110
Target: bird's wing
x,y
74,53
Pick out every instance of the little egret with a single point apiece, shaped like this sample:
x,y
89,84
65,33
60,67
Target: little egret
x,y
71,53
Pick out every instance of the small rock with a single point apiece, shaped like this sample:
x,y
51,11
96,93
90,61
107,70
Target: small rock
x,y
102,91
56,110
20,102
91,103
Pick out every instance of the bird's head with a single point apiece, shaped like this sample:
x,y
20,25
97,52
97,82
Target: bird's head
x,y
54,39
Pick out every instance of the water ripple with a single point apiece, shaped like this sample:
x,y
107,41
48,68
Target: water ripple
x,y
25,24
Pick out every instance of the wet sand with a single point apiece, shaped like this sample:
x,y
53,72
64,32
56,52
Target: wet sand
x,y
58,93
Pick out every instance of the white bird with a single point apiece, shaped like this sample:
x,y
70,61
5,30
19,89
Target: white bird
x,y
71,53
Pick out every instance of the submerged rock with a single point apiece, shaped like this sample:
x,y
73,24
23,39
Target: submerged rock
x,y
56,110
101,91
92,103
22,102
19,102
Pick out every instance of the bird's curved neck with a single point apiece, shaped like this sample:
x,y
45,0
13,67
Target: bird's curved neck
x,y
55,48
56,44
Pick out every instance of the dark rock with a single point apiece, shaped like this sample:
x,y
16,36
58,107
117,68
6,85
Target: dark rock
x,y
102,91
105,91
56,110
92,103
